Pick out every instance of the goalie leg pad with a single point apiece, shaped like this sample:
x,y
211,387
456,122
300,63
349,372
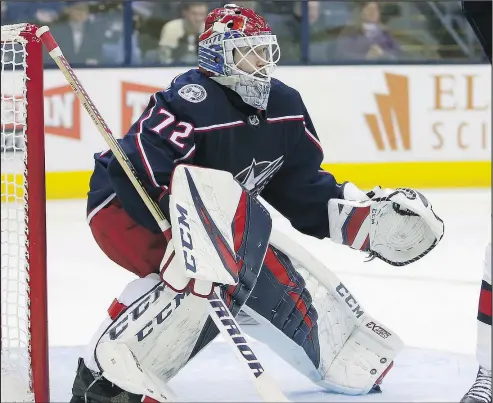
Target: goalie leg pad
x,y
281,297
249,229
211,216
351,351
174,327
325,334
147,337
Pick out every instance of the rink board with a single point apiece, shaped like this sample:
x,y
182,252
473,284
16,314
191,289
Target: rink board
x,y
417,126
75,185
60,185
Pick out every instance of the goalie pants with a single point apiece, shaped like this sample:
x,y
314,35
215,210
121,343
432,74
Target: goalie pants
x,y
279,294
125,242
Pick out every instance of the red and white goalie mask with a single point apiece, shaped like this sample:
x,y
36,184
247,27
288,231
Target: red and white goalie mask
x,y
239,51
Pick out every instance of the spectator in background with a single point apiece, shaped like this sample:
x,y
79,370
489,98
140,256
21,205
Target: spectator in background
x,y
287,27
79,36
178,43
110,16
149,18
366,38
414,30
313,11
45,13
113,48
318,49
164,10
40,13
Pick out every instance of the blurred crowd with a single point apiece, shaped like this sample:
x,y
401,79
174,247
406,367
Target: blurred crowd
x,y
166,32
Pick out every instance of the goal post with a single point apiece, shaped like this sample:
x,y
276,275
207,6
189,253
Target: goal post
x,y
24,331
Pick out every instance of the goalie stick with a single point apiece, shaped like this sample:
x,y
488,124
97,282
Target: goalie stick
x,y
218,311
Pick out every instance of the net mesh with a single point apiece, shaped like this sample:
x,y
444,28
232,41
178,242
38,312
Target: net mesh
x,y
16,381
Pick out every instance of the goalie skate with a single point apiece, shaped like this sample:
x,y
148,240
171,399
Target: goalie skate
x,y
480,391
91,387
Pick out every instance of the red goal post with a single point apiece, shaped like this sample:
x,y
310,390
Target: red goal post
x,y
24,332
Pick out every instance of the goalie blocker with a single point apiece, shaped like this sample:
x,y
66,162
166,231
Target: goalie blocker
x,y
308,316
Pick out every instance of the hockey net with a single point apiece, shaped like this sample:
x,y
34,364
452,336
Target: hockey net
x,y
24,351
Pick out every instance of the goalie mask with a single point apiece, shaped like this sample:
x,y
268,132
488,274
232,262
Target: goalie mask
x,y
239,51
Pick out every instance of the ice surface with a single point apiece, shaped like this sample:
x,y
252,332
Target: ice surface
x,y
431,304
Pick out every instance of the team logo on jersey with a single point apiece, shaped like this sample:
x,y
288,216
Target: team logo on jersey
x,y
193,93
258,174
253,120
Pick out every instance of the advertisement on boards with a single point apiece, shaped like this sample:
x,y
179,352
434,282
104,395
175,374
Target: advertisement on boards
x,y
362,114
399,113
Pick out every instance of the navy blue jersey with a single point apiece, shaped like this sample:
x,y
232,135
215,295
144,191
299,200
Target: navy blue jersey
x,y
275,153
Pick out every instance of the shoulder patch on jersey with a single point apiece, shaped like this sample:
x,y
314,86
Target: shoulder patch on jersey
x,y
193,93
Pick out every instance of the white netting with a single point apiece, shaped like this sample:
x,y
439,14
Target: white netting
x,y
16,366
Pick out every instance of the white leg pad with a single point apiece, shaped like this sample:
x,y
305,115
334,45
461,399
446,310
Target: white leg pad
x,y
151,340
355,349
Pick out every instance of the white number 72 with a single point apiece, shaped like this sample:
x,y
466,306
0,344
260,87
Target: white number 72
x,y
176,135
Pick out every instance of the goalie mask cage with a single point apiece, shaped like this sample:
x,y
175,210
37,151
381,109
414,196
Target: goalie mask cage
x,y
23,219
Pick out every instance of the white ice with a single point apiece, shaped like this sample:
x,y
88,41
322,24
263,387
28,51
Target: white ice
x,y
431,304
